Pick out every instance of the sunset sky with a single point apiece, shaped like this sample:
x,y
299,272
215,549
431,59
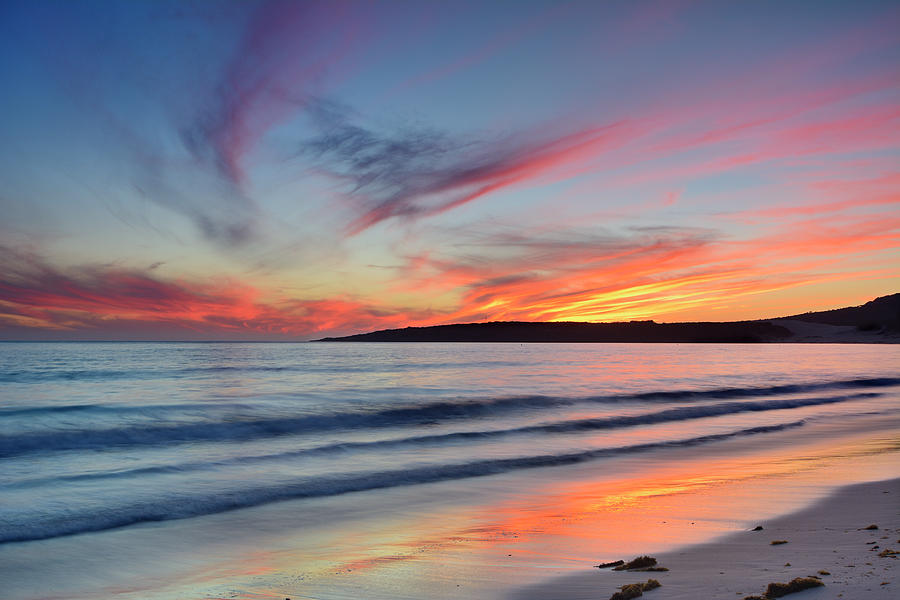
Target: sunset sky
x,y
289,170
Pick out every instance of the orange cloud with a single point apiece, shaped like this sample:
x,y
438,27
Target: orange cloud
x,y
111,301
655,273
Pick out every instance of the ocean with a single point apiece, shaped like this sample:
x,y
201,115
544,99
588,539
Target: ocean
x,y
393,470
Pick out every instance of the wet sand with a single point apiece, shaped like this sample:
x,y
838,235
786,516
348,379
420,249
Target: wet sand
x,y
830,537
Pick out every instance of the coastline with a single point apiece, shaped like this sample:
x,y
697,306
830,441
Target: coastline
x,y
828,536
875,322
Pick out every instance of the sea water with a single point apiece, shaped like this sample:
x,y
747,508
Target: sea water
x,y
393,470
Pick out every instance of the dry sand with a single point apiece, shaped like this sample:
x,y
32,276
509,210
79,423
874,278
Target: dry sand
x,y
828,536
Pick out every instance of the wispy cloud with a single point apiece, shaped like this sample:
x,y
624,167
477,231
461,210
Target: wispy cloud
x,y
415,173
834,196
183,126
284,54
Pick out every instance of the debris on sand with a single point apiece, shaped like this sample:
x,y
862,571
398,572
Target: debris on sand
x,y
777,590
635,590
651,584
870,527
778,542
888,552
606,565
757,528
641,562
627,592
824,572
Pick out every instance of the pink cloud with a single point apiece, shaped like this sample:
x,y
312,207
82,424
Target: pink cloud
x,y
494,168
286,51
96,300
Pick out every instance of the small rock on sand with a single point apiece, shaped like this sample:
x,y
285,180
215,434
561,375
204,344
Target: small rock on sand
x,y
641,562
627,592
635,590
614,563
777,590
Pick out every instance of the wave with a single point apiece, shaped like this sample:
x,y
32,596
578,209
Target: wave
x,y
571,426
240,428
39,376
484,406
31,376
181,506
669,415
159,410
476,407
773,390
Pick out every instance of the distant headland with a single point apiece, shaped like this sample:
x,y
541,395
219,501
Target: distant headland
x,y
877,321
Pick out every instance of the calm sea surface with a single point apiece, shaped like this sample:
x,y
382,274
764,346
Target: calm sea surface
x,y
168,470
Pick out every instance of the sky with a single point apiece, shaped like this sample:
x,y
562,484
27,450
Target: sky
x,y
289,170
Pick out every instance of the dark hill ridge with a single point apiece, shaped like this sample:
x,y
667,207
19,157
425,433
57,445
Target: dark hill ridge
x,y
875,321
883,312
524,331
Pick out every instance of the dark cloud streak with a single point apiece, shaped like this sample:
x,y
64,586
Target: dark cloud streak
x,y
417,172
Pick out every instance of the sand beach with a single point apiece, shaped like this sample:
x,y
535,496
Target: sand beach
x,y
832,541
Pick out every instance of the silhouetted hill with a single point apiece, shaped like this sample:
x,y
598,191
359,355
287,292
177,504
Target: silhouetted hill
x,y
523,331
875,321
880,313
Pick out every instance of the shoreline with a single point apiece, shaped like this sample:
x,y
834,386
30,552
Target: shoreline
x,y
828,536
873,322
